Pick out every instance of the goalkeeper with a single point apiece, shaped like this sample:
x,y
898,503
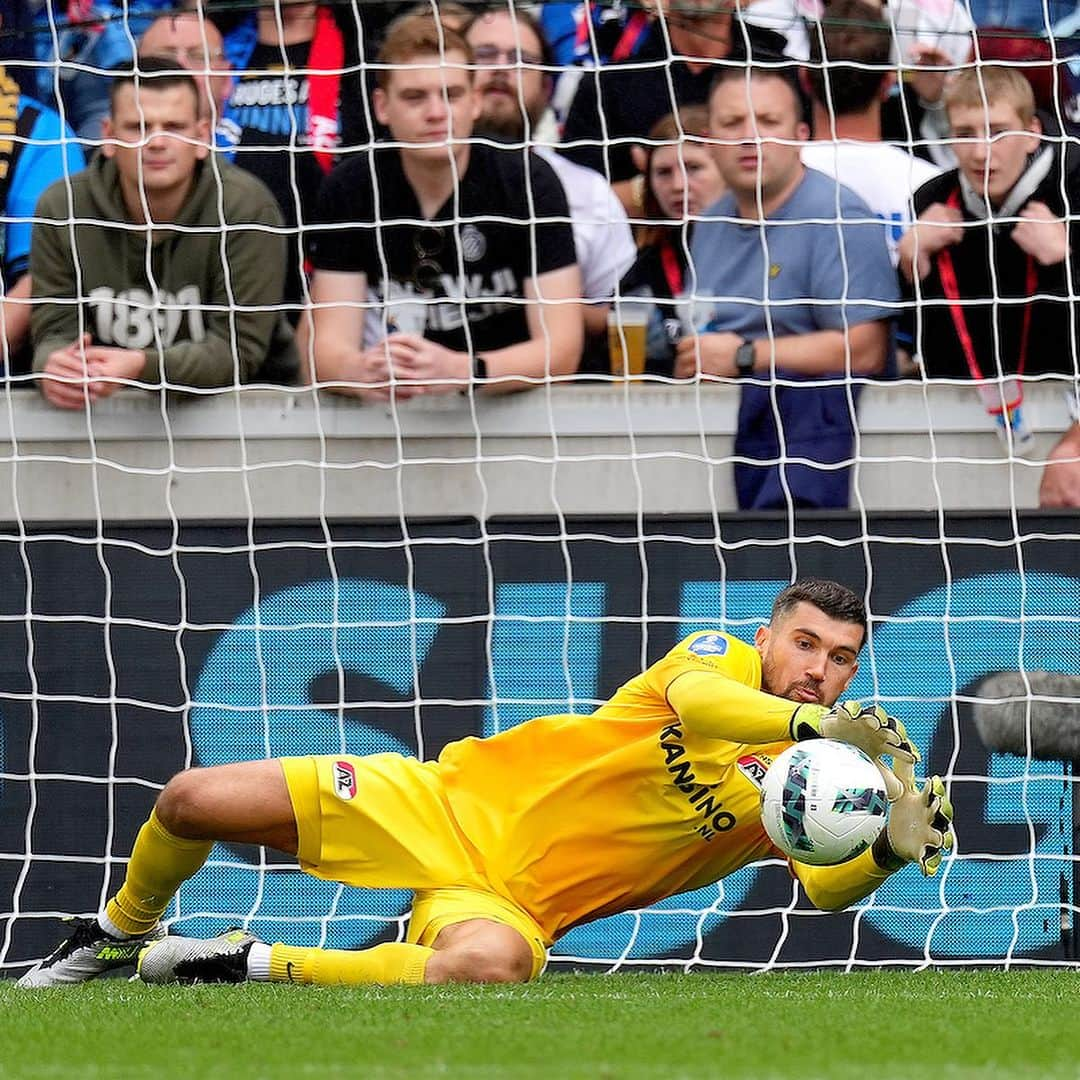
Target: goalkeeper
x,y
510,841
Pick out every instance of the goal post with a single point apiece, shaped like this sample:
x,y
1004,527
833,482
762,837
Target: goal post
x,y
146,648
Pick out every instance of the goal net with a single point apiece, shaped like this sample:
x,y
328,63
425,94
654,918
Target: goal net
x,y
272,572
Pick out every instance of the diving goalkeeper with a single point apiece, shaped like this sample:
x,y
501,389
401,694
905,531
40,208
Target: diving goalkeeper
x,y
512,840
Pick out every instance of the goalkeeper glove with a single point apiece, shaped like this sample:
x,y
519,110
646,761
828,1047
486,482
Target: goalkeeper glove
x,y
869,727
919,828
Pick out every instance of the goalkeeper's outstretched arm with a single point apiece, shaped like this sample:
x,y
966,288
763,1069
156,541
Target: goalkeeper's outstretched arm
x,y
833,888
714,705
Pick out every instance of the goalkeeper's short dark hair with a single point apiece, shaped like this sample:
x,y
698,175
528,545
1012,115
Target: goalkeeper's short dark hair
x,y
835,600
152,73
850,54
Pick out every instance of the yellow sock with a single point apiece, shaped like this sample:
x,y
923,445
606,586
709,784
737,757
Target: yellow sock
x,y
159,863
394,962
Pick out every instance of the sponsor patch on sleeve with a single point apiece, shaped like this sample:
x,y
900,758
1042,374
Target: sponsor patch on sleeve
x,y
344,780
754,767
709,645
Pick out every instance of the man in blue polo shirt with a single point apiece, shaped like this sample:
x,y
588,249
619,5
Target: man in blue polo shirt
x,y
797,293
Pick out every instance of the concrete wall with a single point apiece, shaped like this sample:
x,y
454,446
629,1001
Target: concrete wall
x,y
618,448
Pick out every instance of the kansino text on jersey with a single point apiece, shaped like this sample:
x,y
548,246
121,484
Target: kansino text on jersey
x,y
698,795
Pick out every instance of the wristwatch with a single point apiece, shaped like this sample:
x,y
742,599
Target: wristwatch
x,y
744,359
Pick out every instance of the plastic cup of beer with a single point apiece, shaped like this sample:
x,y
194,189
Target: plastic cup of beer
x,y
627,326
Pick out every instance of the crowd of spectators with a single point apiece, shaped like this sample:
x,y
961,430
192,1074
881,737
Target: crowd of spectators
x,y
391,201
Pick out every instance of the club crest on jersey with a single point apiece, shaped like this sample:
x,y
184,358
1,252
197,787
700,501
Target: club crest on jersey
x,y
709,645
473,243
344,780
754,767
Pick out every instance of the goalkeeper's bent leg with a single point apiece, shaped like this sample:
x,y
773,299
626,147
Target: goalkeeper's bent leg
x,y
391,964
245,802
159,863
474,950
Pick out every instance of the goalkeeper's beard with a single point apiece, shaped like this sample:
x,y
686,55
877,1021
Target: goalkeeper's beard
x,y
811,691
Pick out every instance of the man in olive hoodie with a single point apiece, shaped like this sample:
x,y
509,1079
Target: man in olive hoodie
x,y
177,261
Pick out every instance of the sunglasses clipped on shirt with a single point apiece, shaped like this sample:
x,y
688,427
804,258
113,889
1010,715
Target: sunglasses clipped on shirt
x,y
428,244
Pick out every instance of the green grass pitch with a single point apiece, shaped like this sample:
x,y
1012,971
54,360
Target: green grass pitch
x,y
877,1025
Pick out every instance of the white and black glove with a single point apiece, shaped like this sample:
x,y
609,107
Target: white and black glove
x,y
869,727
919,828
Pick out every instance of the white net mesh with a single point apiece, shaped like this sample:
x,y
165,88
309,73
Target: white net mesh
x,y
258,573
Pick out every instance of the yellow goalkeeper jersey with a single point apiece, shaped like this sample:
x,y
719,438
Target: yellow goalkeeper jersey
x,y
578,817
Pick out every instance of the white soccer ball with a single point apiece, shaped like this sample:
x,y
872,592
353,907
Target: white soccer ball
x,y
823,801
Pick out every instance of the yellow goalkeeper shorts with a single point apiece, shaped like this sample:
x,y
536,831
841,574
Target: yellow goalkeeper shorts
x,y
434,909
383,821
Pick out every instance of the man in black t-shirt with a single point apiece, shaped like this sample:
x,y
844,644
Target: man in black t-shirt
x,y
440,264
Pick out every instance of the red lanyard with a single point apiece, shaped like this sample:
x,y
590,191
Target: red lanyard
x,y
947,273
672,270
631,35
635,26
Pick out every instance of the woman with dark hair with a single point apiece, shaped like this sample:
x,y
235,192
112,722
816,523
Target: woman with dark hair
x,y
681,182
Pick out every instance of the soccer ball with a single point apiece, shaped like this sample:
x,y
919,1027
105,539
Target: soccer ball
x,y
823,801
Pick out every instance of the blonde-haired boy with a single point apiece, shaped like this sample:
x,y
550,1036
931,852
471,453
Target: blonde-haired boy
x,y
990,235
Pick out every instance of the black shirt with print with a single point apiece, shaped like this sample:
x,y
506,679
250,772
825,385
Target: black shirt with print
x,y
270,107
508,222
